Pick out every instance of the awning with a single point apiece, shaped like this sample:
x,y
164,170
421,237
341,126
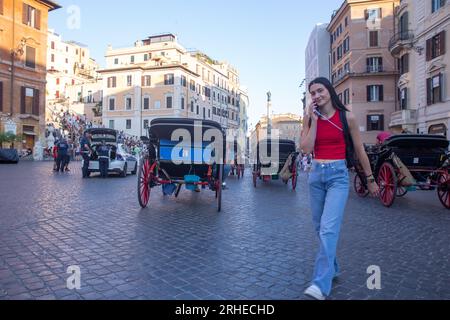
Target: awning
x,y
29,133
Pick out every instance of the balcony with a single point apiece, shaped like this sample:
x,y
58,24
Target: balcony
x,y
401,40
374,68
403,117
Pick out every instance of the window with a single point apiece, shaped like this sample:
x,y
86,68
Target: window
x,y
198,110
52,43
67,60
334,57
373,38
192,106
57,81
375,122
434,89
209,113
346,21
30,59
128,124
129,81
374,93
157,104
111,124
73,82
169,102
346,45
132,59
146,103
146,81
112,104
436,5
31,16
52,59
373,14
128,103
403,99
57,94
403,64
374,64
184,81
346,97
169,79
112,82
116,61
340,96
204,113
146,57
346,68
146,123
214,110
192,85
182,103
339,52
436,46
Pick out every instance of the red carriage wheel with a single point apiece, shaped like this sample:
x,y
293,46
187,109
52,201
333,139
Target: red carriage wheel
x,y
144,180
387,179
360,189
294,179
444,189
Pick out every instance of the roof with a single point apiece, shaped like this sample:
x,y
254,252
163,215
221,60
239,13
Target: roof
x,y
52,4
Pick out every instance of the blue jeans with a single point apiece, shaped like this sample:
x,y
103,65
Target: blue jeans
x,y
329,189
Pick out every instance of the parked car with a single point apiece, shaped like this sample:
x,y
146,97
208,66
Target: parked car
x,y
120,162
9,156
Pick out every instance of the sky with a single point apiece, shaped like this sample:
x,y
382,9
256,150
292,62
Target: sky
x,y
264,40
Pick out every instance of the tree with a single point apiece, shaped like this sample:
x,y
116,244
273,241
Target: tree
x,y
8,137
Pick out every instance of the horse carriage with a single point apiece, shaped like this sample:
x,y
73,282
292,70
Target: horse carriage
x,y
267,169
182,152
238,165
405,163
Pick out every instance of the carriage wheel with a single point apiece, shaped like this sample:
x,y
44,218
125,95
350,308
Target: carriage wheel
x,y
444,189
144,180
294,179
360,188
219,189
387,179
401,191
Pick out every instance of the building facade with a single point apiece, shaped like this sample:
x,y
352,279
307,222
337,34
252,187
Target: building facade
x,y
288,126
420,46
363,70
159,78
23,68
317,56
73,83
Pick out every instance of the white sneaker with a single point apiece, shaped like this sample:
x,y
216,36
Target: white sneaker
x,y
314,292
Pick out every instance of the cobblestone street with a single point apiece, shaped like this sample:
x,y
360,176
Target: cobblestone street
x,y
262,245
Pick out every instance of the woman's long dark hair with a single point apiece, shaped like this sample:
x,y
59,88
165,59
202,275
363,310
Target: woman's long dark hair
x,y
337,103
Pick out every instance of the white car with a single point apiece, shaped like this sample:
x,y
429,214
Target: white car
x,y
121,162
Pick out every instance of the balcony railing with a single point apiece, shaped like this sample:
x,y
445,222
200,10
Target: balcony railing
x,y
374,69
401,39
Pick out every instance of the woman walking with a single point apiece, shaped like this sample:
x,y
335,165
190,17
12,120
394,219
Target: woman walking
x,y
332,134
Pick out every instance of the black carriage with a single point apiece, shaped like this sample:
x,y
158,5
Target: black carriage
x,y
194,160
271,171
407,163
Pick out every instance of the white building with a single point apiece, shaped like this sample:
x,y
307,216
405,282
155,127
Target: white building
x,y
159,78
72,79
317,56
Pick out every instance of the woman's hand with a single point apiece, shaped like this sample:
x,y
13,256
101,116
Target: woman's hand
x,y
374,189
311,113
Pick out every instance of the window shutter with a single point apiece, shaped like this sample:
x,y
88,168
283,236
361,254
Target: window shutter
x,y
381,93
38,19
380,13
429,98
442,36
368,94
1,90
429,47
25,14
22,100
381,123
36,102
441,87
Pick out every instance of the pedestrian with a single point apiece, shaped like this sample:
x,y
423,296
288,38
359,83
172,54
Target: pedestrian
x,y
332,133
55,155
86,151
104,154
63,148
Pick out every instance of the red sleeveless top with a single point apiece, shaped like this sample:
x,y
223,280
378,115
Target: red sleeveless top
x,y
330,141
